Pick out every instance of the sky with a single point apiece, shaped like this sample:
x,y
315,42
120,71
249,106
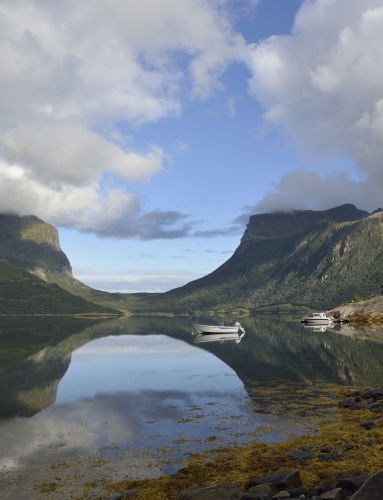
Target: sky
x,y
149,131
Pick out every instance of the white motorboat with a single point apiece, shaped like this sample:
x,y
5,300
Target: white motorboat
x,y
201,338
221,329
318,319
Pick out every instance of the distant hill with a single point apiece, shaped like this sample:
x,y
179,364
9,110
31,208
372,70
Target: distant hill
x,y
286,261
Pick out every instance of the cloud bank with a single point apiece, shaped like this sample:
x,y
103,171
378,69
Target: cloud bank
x,y
70,73
323,85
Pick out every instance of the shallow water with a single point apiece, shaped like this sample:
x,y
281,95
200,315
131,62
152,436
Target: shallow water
x,y
133,398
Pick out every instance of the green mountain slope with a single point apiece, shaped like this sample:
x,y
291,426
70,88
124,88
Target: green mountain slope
x,y
32,244
290,261
23,293
285,261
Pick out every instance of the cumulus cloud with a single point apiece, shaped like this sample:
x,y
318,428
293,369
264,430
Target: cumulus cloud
x,y
323,85
71,70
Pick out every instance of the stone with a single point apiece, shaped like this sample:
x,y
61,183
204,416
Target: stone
x,y
327,457
297,492
282,494
213,492
367,424
286,479
335,494
348,403
351,484
262,490
299,454
347,447
372,489
322,488
326,449
374,393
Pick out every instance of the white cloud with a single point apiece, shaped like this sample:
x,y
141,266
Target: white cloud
x,y
74,155
323,85
70,70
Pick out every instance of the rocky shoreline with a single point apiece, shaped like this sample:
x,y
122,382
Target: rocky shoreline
x,y
342,460
289,485
369,311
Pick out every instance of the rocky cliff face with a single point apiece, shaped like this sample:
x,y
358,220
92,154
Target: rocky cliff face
x,y
283,225
32,244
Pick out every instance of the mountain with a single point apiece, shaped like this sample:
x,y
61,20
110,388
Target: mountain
x,y
23,293
32,265
285,261
33,245
290,261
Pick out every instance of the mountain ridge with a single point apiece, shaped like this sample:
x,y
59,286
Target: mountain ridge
x,y
285,261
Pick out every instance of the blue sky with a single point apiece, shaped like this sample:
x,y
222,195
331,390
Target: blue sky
x,y
222,159
149,131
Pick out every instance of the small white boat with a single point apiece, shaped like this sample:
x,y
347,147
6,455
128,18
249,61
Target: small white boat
x,y
237,328
201,338
318,319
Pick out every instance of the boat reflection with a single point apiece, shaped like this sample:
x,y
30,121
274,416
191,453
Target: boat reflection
x,y
201,338
315,328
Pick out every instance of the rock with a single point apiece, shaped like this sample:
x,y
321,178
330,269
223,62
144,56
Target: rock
x,y
326,449
376,406
286,479
327,457
322,488
367,424
282,494
299,454
351,484
335,494
261,490
349,403
374,393
372,488
297,492
346,447
213,492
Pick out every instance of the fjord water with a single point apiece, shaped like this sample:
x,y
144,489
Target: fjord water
x,y
133,397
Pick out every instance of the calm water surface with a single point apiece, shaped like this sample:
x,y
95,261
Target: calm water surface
x,y
133,398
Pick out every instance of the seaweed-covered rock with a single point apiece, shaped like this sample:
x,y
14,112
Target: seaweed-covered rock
x,y
351,484
285,479
261,491
213,492
372,489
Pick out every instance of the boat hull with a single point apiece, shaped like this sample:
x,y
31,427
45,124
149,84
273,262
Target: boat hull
x,y
317,321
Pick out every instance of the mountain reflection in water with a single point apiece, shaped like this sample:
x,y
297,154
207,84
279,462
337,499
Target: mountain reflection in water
x,y
81,387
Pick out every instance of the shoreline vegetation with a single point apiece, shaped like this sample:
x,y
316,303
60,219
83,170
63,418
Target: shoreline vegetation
x,y
358,312
344,451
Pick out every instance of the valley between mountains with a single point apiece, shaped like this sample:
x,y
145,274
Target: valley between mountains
x,y
285,262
